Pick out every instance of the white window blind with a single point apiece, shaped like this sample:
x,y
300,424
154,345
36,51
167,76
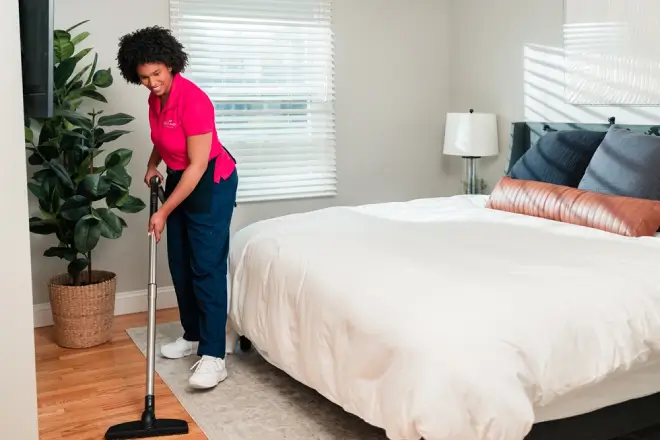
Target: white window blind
x,y
268,66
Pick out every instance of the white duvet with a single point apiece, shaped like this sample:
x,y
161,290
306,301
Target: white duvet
x,y
441,319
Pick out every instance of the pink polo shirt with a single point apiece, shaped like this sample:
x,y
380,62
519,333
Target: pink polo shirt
x,y
187,112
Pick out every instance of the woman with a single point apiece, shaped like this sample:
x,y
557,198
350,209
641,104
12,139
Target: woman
x,y
200,194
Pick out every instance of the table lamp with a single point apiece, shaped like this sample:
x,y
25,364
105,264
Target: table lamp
x,y
471,136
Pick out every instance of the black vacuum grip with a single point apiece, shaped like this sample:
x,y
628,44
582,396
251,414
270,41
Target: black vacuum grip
x,y
156,194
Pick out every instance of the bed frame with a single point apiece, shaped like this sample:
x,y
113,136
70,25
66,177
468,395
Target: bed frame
x,y
613,421
607,423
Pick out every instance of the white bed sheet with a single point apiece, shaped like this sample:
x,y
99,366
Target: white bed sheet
x,y
442,319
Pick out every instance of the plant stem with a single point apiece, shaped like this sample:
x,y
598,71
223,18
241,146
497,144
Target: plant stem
x,y
91,170
89,268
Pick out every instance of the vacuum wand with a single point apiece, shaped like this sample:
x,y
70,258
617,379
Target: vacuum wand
x,y
150,426
156,194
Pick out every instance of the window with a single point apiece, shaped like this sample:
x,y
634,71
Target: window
x,y
268,67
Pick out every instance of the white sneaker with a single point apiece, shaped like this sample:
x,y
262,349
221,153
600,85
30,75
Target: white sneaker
x,y
209,371
178,349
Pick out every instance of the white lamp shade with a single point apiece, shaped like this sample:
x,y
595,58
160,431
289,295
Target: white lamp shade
x,y
471,134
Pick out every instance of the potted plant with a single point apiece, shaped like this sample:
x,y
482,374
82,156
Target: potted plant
x,y
81,186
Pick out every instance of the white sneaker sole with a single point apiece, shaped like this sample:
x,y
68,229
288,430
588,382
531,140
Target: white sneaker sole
x,y
205,386
178,355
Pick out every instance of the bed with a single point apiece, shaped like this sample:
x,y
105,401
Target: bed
x,y
445,320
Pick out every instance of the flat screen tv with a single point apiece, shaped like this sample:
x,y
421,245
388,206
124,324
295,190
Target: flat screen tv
x,y
37,27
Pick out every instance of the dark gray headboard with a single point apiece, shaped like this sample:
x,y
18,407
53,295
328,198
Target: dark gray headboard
x,y
525,134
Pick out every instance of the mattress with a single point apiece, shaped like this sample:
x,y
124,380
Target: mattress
x,y
616,388
441,319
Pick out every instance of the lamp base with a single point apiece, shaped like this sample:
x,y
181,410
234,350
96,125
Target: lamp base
x,y
481,186
471,174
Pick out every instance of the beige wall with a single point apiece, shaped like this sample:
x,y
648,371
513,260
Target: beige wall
x,y
506,57
18,403
391,84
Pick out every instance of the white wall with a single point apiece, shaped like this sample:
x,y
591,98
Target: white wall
x,y
506,57
391,84
18,395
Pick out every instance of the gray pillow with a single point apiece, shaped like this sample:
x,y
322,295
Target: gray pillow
x,y
625,164
559,157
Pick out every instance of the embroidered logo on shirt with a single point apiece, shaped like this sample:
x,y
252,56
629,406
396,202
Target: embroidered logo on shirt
x,y
170,123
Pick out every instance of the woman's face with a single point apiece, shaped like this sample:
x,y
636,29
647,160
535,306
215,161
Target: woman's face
x,y
157,77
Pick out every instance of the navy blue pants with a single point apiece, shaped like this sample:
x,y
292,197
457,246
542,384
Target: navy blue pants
x,y
198,248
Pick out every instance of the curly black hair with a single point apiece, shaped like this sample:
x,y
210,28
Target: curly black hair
x,y
153,44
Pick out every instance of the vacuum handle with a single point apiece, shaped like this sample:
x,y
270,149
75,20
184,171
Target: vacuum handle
x,y
157,194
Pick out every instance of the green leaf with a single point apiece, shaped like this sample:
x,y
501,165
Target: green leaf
x,y
72,87
48,131
84,167
50,204
29,135
44,175
87,233
131,205
82,54
80,74
123,222
74,134
116,196
65,253
111,226
98,132
65,233
43,226
74,118
62,175
91,72
95,186
48,151
37,190
80,38
75,207
116,119
75,103
35,158
76,25
119,157
63,48
102,78
75,91
76,267
119,177
73,149
111,135
63,71
93,94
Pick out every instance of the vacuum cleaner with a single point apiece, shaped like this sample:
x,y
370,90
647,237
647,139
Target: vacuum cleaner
x,y
149,425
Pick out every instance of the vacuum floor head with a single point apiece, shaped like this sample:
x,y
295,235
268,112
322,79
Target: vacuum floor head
x,y
137,429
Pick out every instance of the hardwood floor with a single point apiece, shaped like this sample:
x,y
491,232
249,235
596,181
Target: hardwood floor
x,y
82,392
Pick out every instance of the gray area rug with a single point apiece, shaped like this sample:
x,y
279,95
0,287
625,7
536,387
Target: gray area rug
x,y
256,402
260,402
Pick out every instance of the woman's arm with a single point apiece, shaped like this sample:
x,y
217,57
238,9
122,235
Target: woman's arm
x,y
199,148
154,159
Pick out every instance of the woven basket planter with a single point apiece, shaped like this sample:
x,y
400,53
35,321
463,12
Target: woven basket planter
x,y
83,315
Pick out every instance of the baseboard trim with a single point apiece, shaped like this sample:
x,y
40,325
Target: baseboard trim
x,y
125,304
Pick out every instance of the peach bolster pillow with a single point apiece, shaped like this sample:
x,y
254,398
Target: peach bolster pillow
x,y
621,215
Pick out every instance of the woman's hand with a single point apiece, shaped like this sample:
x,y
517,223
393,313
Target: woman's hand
x,y
151,172
157,224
